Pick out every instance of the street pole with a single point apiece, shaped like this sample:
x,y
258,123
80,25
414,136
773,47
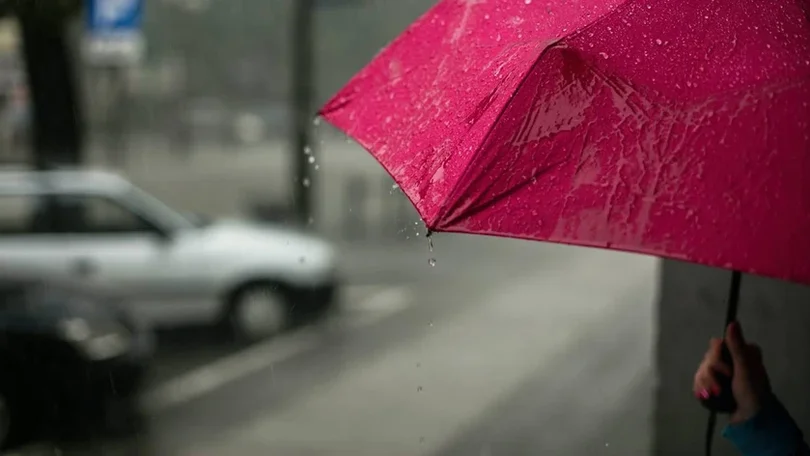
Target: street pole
x,y
302,94
56,128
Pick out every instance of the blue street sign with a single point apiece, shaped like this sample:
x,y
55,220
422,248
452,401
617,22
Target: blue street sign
x,y
114,16
113,31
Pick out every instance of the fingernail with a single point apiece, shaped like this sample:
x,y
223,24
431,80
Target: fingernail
x,y
704,393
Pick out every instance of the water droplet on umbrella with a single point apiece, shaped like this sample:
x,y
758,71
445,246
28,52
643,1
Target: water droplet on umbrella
x,y
418,388
603,55
528,2
659,42
432,262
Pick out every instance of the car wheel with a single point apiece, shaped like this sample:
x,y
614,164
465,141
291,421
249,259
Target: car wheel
x,y
258,312
121,415
5,421
16,421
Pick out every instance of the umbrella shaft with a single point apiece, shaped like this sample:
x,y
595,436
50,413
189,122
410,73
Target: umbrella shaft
x,y
733,298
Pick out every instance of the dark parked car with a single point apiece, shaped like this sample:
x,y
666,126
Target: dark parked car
x,y
69,359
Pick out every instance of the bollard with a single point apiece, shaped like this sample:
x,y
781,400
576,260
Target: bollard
x,y
405,216
270,211
354,215
390,197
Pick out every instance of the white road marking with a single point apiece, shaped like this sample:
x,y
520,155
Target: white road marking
x,y
378,306
205,379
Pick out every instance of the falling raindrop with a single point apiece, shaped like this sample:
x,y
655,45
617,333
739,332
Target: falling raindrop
x,y
307,150
316,121
317,167
311,159
432,262
302,260
305,182
419,388
311,220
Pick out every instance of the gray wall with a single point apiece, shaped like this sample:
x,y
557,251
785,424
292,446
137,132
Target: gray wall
x,y
774,314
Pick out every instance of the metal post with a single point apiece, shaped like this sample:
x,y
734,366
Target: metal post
x,y
302,94
57,136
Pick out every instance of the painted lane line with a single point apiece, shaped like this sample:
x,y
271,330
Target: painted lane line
x,y
210,377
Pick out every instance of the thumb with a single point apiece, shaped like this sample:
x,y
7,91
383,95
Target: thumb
x,y
735,341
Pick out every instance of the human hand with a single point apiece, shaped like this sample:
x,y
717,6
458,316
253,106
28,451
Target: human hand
x,y
749,380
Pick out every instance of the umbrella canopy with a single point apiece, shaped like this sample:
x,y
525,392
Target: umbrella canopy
x,y
677,128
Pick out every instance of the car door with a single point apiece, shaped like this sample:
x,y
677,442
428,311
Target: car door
x,y
110,246
28,243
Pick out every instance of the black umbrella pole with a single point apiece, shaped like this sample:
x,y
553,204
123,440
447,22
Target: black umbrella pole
x,y
726,403
733,298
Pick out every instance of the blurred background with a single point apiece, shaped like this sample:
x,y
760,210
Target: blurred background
x,y
197,266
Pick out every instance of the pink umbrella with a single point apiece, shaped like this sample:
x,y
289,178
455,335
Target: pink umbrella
x,y
676,128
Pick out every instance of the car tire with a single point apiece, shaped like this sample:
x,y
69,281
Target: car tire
x,y
258,311
121,415
16,425
6,436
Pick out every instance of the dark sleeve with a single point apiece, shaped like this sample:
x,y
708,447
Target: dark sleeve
x,y
772,432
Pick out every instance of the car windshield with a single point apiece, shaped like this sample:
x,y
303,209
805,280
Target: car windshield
x,y
159,211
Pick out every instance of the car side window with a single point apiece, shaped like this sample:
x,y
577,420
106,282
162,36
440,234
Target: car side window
x,y
92,214
18,215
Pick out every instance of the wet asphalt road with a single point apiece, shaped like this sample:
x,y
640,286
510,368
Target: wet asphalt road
x,y
503,348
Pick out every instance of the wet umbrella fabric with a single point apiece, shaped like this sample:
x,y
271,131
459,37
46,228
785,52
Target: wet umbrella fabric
x,y
677,128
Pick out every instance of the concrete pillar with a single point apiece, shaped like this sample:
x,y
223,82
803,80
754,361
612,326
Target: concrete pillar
x,y
774,314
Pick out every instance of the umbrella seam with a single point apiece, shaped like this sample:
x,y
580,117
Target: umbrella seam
x,y
448,204
578,31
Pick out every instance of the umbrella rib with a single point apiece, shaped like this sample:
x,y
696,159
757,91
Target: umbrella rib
x,y
473,210
448,205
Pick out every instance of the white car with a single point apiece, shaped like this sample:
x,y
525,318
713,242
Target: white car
x,y
97,228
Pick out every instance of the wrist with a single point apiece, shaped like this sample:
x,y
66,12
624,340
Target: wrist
x,y
770,429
